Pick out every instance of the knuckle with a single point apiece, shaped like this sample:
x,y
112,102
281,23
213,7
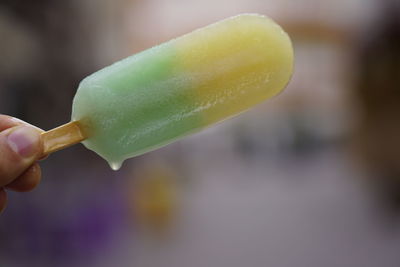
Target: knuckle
x,y
27,181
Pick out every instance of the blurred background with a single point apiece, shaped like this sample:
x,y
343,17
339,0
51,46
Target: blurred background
x,y
309,178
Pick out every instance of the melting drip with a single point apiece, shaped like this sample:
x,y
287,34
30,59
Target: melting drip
x,y
115,165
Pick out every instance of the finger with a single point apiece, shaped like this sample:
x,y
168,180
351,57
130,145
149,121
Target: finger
x,y
3,199
20,147
8,122
28,180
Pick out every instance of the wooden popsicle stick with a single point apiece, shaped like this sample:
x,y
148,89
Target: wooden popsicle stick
x,y
61,137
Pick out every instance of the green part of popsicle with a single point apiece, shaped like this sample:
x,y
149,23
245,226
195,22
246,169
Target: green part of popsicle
x,y
123,107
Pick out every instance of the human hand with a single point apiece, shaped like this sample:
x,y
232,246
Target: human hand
x,y
20,148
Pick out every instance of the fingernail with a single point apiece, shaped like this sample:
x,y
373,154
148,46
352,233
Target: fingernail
x,y
24,141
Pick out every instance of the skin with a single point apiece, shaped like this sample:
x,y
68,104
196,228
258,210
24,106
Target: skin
x,y
19,170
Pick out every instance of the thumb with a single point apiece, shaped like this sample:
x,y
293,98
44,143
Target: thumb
x,y
20,147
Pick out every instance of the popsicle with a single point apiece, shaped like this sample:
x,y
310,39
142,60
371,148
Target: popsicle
x,y
177,88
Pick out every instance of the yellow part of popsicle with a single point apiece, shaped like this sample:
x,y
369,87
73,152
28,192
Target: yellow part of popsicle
x,y
243,61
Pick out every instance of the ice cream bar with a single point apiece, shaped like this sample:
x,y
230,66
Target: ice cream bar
x,y
177,88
